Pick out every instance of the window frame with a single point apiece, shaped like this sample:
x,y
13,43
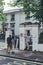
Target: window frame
x,y
12,17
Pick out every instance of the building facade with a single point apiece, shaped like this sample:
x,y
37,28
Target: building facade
x,y
29,36
15,17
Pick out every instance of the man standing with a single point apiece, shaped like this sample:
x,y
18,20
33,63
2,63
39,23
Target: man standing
x,y
9,44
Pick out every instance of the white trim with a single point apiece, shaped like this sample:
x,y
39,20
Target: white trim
x,y
15,9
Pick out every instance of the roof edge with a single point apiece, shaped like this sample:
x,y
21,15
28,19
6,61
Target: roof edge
x,y
29,23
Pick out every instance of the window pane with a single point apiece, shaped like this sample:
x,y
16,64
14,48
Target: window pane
x,y
12,17
12,24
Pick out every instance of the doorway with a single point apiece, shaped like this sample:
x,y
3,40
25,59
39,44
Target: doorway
x,y
28,40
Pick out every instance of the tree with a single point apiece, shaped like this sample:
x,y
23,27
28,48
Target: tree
x,y
31,6
2,15
34,6
41,9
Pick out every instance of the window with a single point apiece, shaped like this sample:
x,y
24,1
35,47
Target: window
x,y
12,24
28,32
12,17
12,32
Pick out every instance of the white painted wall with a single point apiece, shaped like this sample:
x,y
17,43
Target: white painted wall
x,y
8,21
35,37
8,18
40,47
19,18
33,32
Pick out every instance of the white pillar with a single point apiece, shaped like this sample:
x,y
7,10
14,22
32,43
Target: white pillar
x,y
35,38
9,27
17,44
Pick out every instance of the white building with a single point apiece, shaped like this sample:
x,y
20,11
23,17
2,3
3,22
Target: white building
x,y
29,29
15,16
16,23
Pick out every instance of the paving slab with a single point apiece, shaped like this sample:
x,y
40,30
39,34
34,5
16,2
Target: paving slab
x,y
26,55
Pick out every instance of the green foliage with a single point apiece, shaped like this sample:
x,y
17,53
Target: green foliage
x,y
41,10
2,16
34,6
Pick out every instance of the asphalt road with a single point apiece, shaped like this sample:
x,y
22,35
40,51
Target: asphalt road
x,y
12,61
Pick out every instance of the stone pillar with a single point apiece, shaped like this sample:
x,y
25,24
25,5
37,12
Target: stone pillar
x,y
35,38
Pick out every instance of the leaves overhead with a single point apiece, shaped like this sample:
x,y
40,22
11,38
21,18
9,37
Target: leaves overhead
x,y
34,6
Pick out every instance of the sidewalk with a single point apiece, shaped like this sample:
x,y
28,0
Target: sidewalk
x,y
25,55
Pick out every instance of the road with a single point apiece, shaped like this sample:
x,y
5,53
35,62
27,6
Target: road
x,y
12,61
9,61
